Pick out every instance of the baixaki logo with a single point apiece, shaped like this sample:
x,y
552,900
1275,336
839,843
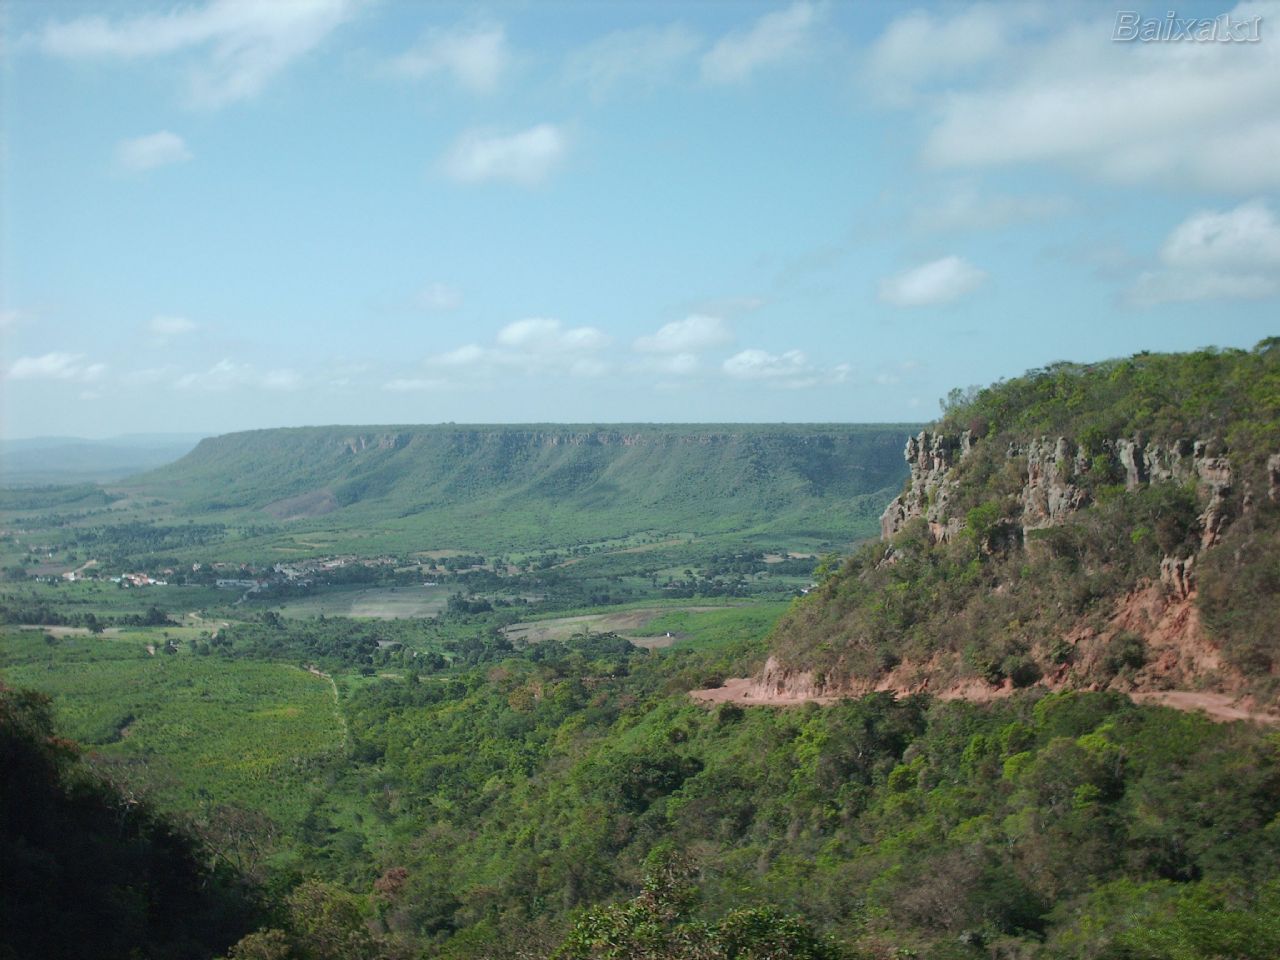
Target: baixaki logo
x,y
1130,25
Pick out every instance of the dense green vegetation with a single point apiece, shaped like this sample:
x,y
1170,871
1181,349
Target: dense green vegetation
x,y
987,605
1231,396
488,812
198,731
529,486
90,871
514,777
887,824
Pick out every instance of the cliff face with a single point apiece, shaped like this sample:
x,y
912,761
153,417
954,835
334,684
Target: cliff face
x,y
1144,635
931,459
1050,468
1112,524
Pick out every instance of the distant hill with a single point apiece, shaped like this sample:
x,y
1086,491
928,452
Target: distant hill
x,y
45,460
1111,525
480,485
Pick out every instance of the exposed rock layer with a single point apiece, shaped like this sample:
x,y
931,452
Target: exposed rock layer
x,y
1162,614
1051,469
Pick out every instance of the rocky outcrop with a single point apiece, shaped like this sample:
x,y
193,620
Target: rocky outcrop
x,y
931,458
1214,475
1177,576
1052,469
1050,495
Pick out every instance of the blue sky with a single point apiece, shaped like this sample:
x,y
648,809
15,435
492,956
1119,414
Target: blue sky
x,y
225,215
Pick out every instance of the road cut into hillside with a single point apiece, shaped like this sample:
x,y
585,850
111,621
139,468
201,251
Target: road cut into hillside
x,y
1219,707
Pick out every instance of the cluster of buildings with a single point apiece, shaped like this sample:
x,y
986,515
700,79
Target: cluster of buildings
x,y
139,580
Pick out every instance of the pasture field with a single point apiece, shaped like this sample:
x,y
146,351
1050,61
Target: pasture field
x,y
195,730
375,603
713,627
104,598
659,627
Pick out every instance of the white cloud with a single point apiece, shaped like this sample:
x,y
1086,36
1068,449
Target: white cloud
x,y
964,208
476,57
643,57
1234,255
221,376
1203,114
10,317
439,297
939,281
921,48
140,154
694,333
244,43
168,326
677,364
1247,236
228,374
774,38
415,385
761,365
56,366
541,335
535,345
465,356
791,369
527,157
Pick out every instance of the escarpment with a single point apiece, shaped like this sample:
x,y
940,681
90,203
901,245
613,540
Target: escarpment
x,y
1106,526
1056,474
591,480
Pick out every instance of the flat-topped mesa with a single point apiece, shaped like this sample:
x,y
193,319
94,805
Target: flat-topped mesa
x,y
1051,468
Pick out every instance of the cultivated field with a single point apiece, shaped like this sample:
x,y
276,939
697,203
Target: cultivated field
x,y
658,627
375,603
194,730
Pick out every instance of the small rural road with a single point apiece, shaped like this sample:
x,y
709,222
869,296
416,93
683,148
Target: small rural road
x,y
1219,707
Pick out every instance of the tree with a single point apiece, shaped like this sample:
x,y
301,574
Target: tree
x,y
656,925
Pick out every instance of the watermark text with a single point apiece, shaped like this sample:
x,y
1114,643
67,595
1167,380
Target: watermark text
x,y
1132,26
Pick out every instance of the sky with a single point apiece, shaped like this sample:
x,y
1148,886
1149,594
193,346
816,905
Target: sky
x,y
219,215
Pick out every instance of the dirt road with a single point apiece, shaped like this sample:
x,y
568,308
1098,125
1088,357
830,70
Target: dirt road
x,y
1219,707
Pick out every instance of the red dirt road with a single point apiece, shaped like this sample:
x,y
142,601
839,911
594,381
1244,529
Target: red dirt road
x,y
1220,707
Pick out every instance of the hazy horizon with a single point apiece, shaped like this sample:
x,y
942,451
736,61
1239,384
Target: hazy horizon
x,y
196,436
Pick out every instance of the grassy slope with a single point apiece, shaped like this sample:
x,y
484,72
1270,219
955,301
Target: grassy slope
x,y
532,485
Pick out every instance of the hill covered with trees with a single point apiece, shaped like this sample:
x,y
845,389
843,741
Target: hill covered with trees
x,y
1112,525
477,486
1062,541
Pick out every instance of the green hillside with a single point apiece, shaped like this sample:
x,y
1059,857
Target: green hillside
x,y
476,486
1090,525
449,788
